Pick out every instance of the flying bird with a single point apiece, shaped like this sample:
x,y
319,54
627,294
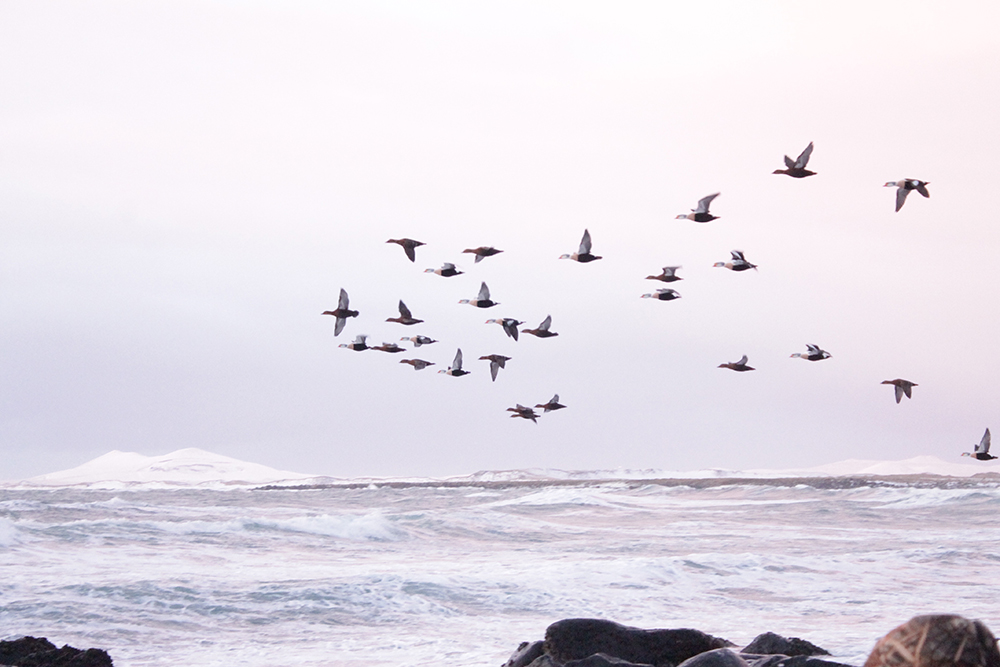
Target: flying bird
x,y
447,270
497,361
583,254
665,294
483,251
483,300
509,325
701,213
418,340
455,369
418,364
543,329
523,412
669,275
903,188
387,347
341,313
740,365
409,246
903,387
405,316
797,169
553,404
982,451
814,353
359,344
739,262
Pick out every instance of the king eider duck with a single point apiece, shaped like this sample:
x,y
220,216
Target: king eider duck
x,y
447,270
982,452
739,262
666,294
418,340
903,388
418,364
509,325
583,254
483,251
483,300
455,370
553,404
903,188
409,246
359,344
669,275
341,313
523,412
543,329
701,213
405,316
740,366
797,169
814,354
388,347
497,361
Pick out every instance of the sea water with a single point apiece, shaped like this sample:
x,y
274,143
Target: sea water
x,y
461,574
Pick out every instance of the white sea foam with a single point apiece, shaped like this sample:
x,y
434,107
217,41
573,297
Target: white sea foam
x,y
409,575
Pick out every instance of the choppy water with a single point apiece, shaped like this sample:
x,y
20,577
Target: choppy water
x,y
411,575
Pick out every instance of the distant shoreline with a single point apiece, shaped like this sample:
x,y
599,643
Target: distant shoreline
x,y
928,481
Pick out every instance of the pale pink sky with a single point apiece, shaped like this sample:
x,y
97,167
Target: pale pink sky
x,y
185,186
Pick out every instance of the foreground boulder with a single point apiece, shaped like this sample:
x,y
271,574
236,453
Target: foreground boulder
x,y
40,652
770,643
937,641
580,638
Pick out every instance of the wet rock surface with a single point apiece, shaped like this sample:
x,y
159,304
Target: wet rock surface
x,y
923,641
40,652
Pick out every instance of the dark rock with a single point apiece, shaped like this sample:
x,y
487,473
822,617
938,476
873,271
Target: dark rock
x,y
770,643
578,638
720,657
40,652
603,660
807,661
941,640
545,661
525,654
762,660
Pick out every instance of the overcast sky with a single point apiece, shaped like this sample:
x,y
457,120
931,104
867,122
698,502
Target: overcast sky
x,y
186,186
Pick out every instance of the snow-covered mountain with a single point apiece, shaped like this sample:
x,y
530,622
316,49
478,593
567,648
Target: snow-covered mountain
x,y
185,467
194,467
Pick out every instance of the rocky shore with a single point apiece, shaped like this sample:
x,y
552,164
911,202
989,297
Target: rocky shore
x,y
40,652
924,641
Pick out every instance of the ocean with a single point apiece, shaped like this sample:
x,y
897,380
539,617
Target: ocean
x,y
427,574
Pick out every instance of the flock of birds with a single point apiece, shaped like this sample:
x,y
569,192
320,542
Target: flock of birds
x,y
796,168
509,325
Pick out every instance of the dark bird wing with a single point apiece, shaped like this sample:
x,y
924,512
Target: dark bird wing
x,y
404,312
494,368
922,189
899,393
338,326
789,162
908,390
737,255
546,323
705,202
803,158
984,445
410,250
743,360
901,198
456,365
585,243
342,303
484,292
